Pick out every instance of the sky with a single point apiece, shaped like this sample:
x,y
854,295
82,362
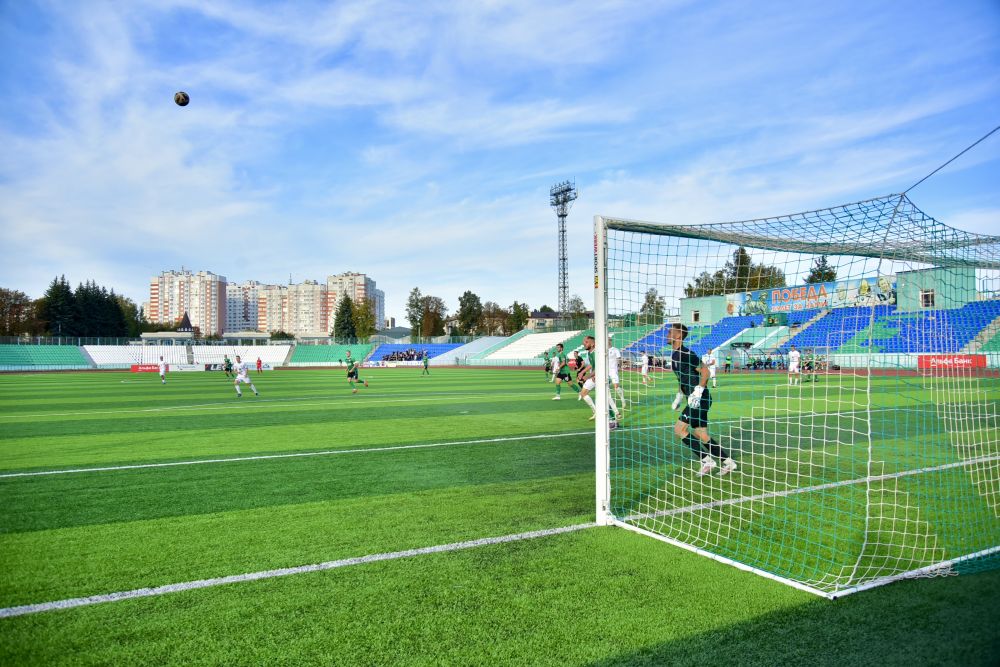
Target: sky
x,y
417,142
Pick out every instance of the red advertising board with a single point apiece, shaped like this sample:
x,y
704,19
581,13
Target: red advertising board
x,y
145,368
951,361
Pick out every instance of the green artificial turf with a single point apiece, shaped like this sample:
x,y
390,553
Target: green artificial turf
x,y
596,596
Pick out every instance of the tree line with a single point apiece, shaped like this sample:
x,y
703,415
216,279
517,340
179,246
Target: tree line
x,y
90,310
428,314
742,274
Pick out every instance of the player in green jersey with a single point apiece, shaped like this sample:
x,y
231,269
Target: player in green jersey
x,y
352,373
586,372
562,372
426,360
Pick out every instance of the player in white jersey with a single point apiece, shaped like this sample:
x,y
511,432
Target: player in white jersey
x,y
793,366
163,371
712,363
242,370
645,368
614,360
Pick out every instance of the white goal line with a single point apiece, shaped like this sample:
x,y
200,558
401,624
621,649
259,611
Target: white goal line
x,y
10,612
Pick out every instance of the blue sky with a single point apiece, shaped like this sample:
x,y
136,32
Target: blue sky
x,y
417,142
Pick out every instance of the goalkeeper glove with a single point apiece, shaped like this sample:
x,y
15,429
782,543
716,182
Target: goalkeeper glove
x,y
694,400
677,401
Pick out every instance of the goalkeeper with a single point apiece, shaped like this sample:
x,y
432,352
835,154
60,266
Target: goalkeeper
x,y
692,425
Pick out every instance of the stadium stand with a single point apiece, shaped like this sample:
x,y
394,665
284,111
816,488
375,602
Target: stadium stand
x,y
467,352
385,350
123,356
836,327
723,331
41,357
533,346
213,354
502,344
992,345
757,337
925,331
327,355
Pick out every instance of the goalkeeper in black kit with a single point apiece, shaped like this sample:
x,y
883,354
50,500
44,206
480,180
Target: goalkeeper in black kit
x,y
692,425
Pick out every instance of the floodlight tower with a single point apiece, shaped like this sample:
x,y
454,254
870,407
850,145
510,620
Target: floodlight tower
x,y
561,198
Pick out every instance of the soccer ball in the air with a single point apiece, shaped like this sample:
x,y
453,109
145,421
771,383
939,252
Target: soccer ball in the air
x,y
181,98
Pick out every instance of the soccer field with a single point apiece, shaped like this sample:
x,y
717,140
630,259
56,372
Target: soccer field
x,y
111,483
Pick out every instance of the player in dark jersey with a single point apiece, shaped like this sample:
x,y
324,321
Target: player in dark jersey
x,y
352,373
692,426
562,373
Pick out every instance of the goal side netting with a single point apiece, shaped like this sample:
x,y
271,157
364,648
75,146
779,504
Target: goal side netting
x,y
848,432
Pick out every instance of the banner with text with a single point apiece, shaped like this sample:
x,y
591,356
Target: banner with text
x,y
837,294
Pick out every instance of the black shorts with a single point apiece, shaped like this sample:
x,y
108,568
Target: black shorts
x,y
548,366
697,417
564,375
352,375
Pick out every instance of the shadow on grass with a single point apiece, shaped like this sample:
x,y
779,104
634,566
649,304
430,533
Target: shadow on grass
x,y
947,621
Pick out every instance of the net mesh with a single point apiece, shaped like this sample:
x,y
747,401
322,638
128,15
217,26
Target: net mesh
x,y
859,409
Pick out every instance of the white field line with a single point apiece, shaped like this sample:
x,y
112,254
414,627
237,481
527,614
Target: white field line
x,y
264,457
807,489
333,452
250,402
9,612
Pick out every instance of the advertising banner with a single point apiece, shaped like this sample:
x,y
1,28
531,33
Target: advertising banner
x,y
951,361
837,294
147,368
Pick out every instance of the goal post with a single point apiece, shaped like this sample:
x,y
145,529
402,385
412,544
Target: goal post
x,y
820,455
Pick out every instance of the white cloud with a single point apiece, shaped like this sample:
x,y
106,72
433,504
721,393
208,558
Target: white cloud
x,y
417,142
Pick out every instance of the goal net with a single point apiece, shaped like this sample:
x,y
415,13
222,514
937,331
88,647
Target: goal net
x,y
848,433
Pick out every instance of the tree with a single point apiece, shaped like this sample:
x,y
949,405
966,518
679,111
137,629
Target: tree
x,y
518,317
432,317
343,325
547,310
653,308
281,335
577,312
470,313
57,308
17,311
415,308
132,315
363,316
494,320
739,275
822,271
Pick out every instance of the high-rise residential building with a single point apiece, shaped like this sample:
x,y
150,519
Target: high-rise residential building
x,y
308,309
201,295
242,306
359,287
272,308
214,306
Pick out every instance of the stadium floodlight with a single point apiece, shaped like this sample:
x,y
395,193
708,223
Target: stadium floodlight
x,y
876,459
561,198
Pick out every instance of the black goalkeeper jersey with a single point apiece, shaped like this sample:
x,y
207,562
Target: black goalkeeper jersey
x,y
686,364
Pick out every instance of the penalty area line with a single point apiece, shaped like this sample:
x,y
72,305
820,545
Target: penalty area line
x,y
10,612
